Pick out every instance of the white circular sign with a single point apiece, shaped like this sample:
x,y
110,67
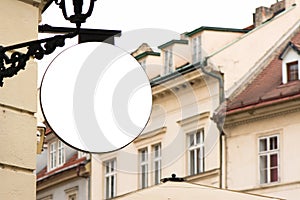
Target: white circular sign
x,y
96,97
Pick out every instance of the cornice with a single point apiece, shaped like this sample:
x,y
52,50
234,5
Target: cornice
x,y
194,118
180,83
263,113
150,134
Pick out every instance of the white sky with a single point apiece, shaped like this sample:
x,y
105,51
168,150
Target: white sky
x,y
177,16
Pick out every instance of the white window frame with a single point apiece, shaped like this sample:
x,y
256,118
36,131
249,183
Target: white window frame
x,y
196,49
56,154
196,163
156,163
110,177
268,153
168,62
143,164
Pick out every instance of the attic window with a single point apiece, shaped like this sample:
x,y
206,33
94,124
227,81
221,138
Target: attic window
x,y
292,71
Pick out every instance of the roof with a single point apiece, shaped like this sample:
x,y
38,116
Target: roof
x,y
267,88
74,161
147,53
173,42
210,28
184,190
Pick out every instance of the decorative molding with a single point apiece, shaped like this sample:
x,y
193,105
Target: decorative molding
x,y
48,197
194,118
71,190
203,175
190,80
261,114
151,134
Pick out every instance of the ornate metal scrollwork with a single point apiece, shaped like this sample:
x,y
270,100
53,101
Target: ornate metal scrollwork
x,y
35,49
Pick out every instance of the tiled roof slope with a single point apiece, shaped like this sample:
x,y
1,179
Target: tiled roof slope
x,y
72,162
267,87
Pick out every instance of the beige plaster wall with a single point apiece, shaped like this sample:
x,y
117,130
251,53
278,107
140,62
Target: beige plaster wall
x,y
242,155
17,106
176,112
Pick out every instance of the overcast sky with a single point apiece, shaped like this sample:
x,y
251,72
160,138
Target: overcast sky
x,y
176,16
179,16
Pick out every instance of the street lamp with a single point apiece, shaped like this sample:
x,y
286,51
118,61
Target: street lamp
x,y
12,63
41,130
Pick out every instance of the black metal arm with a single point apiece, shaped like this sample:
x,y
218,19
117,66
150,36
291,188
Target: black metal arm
x,y
35,49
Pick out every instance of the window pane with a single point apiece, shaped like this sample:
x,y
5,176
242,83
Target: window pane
x,y
263,176
112,183
273,143
198,137
156,173
292,69
107,167
198,160
192,162
191,140
263,162
274,160
144,176
157,151
263,145
274,175
107,187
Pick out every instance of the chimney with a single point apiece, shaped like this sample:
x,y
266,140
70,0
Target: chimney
x,y
263,14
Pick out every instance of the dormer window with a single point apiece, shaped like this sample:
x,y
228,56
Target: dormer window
x,y
290,63
56,154
168,65
292,71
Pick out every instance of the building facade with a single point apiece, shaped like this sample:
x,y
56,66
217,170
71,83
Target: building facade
x,y
255,150
18,127
180,137
63,172
261,127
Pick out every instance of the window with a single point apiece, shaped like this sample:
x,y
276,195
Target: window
x,y
168,67
52,155
196,51
156,150
269,159
292,71
56,154
110,178
48,197
143,159
71,193
72,197
196,152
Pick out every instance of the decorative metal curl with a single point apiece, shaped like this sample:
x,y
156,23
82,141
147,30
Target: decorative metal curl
x,y
17,60
78,18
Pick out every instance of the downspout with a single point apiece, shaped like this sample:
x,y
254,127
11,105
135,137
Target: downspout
x,y
219,77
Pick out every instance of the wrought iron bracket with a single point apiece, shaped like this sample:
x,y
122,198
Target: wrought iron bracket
x,y
78,18
35,49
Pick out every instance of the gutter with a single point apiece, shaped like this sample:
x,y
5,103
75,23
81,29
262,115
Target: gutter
x,y
219,77
192,67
